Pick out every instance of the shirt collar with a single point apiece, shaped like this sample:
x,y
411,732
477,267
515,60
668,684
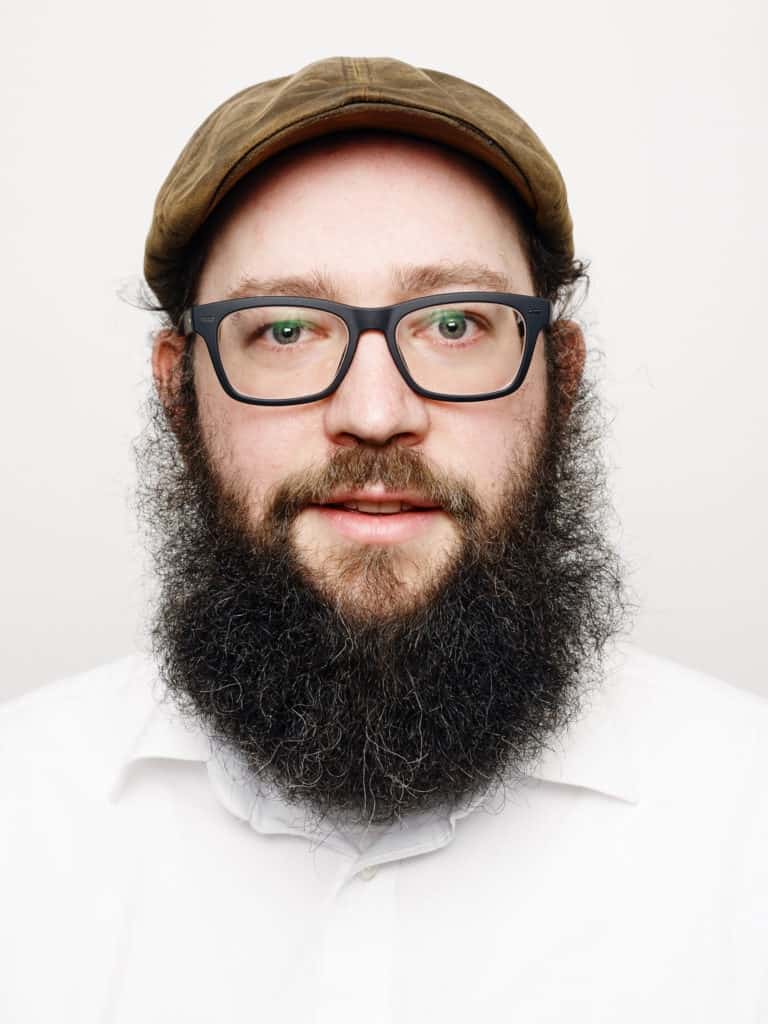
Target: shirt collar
x,y
160,733
597,752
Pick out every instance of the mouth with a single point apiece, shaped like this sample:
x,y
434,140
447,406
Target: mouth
x,y
377,517
378,508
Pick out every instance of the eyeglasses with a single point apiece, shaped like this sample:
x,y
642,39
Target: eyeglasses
x,y
282,350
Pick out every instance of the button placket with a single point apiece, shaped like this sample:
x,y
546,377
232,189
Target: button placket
x,y
356,961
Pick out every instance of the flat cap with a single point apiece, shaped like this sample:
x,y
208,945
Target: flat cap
x,y
338,94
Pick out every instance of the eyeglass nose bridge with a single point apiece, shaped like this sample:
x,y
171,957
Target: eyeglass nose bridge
x,y
373,318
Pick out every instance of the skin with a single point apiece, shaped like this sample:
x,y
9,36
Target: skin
x,y
360,211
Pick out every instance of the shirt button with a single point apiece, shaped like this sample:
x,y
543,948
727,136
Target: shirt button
x,y
368,873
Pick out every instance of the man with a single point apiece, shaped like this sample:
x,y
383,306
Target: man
x,y
387,760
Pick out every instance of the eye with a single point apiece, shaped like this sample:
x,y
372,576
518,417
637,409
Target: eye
x,y
451,325
457,325
286,332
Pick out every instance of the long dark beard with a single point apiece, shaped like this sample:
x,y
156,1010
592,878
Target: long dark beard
x,y
363,718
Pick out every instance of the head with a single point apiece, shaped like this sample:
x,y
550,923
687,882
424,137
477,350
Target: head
x,y
368,220
364,658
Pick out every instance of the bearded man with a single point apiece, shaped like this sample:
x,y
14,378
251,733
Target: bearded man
x,y
387,758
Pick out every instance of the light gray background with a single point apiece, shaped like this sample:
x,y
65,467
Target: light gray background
x,y
656,115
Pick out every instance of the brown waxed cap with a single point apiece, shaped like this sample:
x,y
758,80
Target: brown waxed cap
x,y
338,94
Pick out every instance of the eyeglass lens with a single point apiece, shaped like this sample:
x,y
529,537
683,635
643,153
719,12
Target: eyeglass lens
x,y
466,348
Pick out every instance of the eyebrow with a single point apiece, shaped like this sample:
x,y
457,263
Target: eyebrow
x,y
408,281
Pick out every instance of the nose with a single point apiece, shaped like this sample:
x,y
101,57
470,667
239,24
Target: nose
x,y
373,404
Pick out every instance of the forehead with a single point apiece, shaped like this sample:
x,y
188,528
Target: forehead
x,y
367,152
357,205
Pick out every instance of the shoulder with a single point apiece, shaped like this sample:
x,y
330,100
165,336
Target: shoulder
x,y
689,723
84,696
71,730
661,683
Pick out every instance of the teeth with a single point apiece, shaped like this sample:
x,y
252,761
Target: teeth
x,y
381,508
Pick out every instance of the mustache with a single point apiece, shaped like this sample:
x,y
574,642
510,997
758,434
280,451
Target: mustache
x,y
395,468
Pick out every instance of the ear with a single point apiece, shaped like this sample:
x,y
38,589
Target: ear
x,y
569,355
167,352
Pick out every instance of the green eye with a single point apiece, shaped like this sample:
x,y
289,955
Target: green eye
x,y
452,325
287,332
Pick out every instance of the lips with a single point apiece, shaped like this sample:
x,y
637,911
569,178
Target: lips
x,y
376,517
374,508
386,504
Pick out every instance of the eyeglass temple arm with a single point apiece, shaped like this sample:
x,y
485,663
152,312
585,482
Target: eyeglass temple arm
x,y
185,323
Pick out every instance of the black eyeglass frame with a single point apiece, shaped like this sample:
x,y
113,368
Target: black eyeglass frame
x,y
206,318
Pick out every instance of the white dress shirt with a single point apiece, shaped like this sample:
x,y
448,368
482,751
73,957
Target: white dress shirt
x,y
624,880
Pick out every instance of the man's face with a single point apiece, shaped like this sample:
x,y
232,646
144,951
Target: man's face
x,y
379,221
361,664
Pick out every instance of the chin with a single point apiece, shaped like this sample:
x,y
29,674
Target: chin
x,y
376,583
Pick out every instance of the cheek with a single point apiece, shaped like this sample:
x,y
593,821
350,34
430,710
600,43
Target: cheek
x,y
255,447
481,441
